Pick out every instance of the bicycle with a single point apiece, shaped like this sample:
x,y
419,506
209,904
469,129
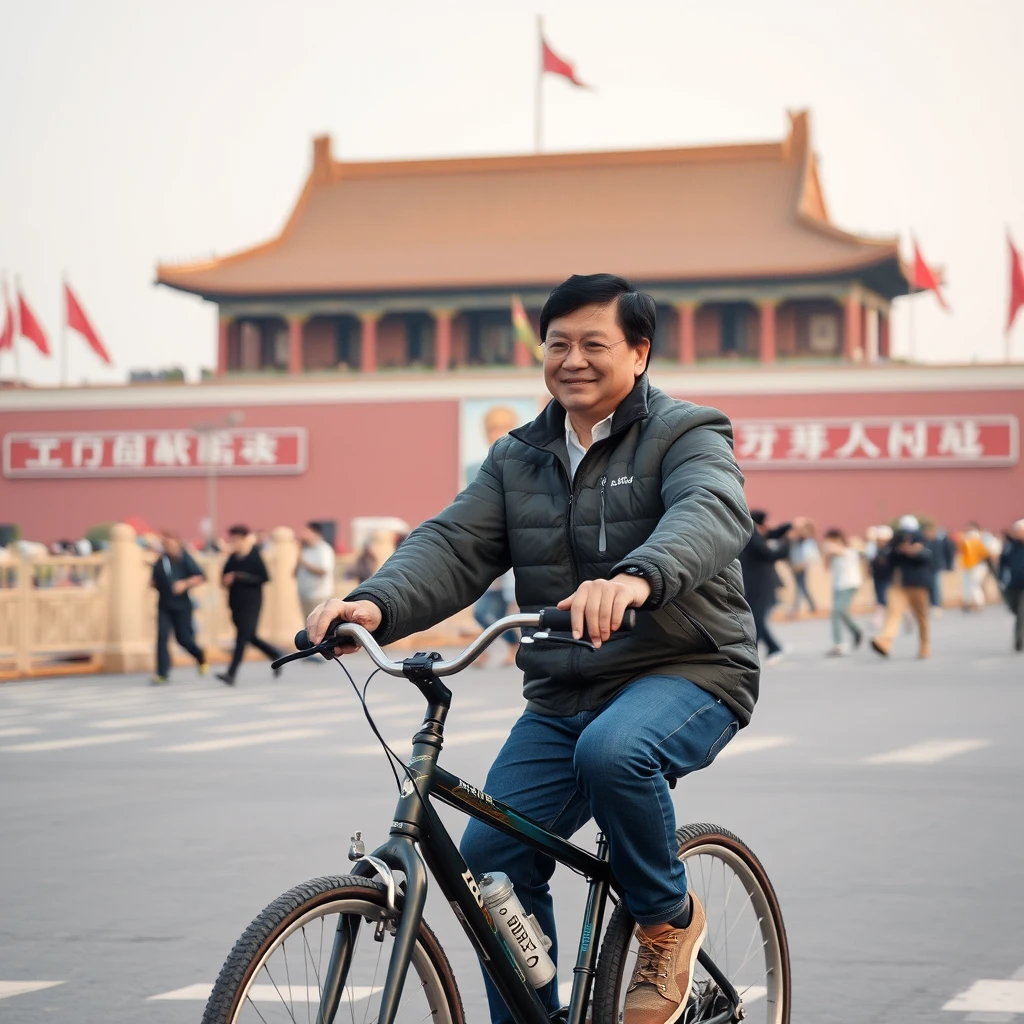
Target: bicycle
x,y
259,983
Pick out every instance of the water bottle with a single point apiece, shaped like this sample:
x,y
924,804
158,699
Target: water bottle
x,y
521,932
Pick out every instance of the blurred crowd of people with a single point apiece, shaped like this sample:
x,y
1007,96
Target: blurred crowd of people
x,y
905,562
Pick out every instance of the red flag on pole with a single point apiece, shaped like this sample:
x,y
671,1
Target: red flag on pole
x,y
78,321
7,334
925,279
30,326
551,62
1016,284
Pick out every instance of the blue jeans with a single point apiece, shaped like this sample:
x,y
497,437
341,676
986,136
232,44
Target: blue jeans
x,y
609,764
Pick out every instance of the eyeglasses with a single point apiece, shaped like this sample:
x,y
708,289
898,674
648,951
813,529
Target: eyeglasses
x,y
558,351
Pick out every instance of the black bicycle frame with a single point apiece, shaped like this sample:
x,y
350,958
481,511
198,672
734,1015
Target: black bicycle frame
x,y
419,841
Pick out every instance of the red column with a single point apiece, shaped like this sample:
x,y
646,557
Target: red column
x,y
852,328
883,336
767,352
368,342
295,363
443,339
223,329
687,333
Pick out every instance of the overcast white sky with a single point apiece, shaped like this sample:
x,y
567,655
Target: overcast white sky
x,y
137,131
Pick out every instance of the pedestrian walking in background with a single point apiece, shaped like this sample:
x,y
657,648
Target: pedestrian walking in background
x,y
314,571
493,605
244,576
175,573
761,580
973,567
909,560
943,552
1011,579
803,553
844,563
878,538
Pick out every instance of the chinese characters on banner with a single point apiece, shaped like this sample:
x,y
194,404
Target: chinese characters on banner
x,y
913,442
246,451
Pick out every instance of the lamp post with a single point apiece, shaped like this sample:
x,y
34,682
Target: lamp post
x,y
232,419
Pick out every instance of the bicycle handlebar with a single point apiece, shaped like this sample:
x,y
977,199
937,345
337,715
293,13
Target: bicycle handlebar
x,y
555,620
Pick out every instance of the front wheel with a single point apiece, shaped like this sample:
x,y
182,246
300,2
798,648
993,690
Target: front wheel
x,y
277,971
745,937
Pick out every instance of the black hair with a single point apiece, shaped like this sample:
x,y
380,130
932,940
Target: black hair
x,y
239,531
635,311
759,517
315,527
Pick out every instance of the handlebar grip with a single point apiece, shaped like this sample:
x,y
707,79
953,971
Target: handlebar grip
x,y
302,641
558,620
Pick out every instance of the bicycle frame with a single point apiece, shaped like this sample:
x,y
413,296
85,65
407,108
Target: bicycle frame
x,y
419,841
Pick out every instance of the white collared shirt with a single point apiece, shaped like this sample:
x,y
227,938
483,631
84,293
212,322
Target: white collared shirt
x,y
576,451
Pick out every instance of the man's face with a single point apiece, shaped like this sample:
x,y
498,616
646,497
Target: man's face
x,y
308,537
172,547
239,543
599,369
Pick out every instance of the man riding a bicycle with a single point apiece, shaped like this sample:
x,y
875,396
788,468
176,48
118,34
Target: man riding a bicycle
x,y
616,496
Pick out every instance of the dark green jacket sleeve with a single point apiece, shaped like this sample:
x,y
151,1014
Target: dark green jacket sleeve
x,y
706,523
446,563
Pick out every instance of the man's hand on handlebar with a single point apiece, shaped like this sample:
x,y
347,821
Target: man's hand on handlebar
x,y
362,613
598,605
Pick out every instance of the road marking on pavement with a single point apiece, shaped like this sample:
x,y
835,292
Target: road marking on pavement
x,y
20,988
71,743
754,745
492,714
17,730
928,752
233,742
268,993
990,996
284,722
171,716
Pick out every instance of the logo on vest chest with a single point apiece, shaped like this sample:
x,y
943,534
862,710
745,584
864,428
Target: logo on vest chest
x,y
621,481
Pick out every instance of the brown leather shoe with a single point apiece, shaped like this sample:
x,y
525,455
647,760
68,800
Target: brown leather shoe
x,y
661,983
880,646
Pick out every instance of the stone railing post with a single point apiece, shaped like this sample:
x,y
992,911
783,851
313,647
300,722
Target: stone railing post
x,y
128,649
282,614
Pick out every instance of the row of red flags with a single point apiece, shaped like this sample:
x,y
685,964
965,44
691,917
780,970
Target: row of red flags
x,y
925,279
27,325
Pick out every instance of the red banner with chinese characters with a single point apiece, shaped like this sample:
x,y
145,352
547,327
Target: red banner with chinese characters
x,y
237,451
876,442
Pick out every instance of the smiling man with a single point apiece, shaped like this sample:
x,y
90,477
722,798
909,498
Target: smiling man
x,y
616,496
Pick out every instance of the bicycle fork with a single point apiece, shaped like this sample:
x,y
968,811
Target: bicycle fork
x,y
400,854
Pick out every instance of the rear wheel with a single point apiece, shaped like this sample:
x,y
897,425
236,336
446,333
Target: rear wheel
x,y
276,972
745,936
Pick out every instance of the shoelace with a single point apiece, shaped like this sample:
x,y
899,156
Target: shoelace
x,y
654,954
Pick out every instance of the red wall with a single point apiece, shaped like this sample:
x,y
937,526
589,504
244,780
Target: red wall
x,y
364,460
402,459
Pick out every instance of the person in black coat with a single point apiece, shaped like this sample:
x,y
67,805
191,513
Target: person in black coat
x,y
760,579
175,573
1011,579
244,575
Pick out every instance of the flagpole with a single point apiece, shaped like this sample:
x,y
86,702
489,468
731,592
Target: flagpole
x,y
538,91
911,342
16,320
1007,341
64,332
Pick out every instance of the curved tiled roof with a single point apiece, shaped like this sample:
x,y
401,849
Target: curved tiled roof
x,y
667,215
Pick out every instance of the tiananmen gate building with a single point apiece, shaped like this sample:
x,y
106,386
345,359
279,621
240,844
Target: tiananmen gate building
x,y
361,353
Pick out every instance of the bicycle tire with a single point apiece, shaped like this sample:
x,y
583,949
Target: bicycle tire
x,y
272,926
613,956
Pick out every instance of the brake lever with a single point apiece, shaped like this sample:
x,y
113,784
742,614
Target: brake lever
x,y
546,636
297,655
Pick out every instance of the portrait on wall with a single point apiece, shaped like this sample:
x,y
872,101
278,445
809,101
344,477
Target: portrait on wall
x,y
482,421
